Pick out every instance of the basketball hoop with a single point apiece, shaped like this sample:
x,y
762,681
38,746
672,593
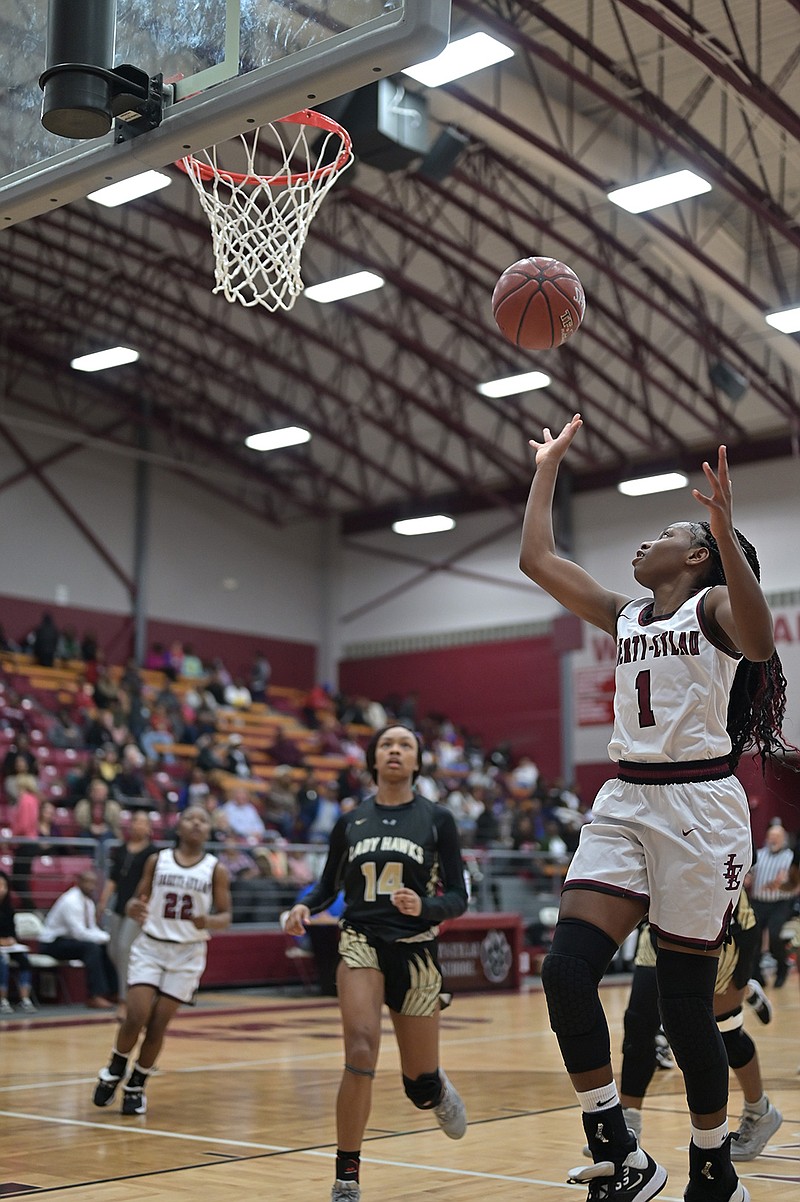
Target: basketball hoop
x,y
259,223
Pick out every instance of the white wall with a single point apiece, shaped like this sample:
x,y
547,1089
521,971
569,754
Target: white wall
x,y
195,544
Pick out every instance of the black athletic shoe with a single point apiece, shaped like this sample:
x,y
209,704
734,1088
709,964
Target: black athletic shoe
x,y
759,1001
637,1179
105,1088
712,1177
133,1101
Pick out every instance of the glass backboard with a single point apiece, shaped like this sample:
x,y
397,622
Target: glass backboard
x,y
232,64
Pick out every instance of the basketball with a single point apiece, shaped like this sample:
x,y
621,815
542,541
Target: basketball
x,y
538,303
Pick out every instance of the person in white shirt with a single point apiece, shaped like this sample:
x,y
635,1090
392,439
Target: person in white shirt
x,y
243,817
70,932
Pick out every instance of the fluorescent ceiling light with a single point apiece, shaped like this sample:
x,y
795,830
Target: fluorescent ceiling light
x,y
428,525
653,193
648,484
130,189
460,58
346,285
785,320
100,360
273,440
528,381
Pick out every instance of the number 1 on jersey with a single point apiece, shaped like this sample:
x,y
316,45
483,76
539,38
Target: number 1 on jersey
x,y
646,715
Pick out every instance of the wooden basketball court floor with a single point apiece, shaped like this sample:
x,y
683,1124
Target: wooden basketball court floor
x,y
243,1106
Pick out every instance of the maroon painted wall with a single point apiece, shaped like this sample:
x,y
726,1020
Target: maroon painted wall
x,y
293,664
504,691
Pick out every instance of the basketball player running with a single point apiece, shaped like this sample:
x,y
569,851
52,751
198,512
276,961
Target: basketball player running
x,y
760,1119
671,834
183,895
398,859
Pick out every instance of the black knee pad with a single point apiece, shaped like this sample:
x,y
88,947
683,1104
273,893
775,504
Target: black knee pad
x,y
686,1000
738,1044
641,1025
578,959
425,1091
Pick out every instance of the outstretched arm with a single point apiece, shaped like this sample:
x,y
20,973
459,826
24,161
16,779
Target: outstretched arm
x,y
741,610
576,590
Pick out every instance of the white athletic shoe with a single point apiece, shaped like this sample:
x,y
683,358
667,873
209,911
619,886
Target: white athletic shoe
x,y
451,1113
754,1131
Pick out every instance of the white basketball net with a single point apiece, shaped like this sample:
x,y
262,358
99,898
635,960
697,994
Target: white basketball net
x,y
259,223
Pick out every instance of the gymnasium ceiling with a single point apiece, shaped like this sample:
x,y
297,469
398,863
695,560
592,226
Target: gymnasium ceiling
x,y
599,93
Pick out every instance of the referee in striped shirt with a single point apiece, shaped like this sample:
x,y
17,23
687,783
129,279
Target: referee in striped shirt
x,y
770,901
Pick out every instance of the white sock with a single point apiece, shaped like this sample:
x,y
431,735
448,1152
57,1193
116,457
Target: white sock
x,y
760,1107
598,1099
714,1138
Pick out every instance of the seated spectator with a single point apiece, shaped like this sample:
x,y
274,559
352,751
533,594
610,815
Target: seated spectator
x,y
89,648
65,731
69,647
129,786
21,780
214,692
195,790
243,817
98,814
191,665
525,775
235,759
259,896
325,814
352,781
260,675
237,695
105,692
20,747
280,802
156,658
8,939
236,859
71,932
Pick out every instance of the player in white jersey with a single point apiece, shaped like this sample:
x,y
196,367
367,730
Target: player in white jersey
x,y
697,682
183,896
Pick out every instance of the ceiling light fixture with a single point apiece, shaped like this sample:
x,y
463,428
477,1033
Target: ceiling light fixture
x,y
648,484
274,440
429,525
472,53
665,190
344,286
785,320
527,381
130,189
100,360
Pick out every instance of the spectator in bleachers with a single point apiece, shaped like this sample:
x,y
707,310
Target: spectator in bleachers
x,y
525,775
326,812
44,641
235,759
8,938
465,808
20,746
191,666
98,815
156,658
487,827
260,675
243,817
71,932
260,896
280,803
214,691
69,647
25,827
129,786
353,781
105,692
237,860
237,695
89,648
318,701
21,780
127,861
64,730
194,790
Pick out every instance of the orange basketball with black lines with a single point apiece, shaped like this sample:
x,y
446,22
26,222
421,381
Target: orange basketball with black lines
x,y
538,303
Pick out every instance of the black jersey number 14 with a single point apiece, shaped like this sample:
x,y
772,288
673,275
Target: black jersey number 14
x,y
390,879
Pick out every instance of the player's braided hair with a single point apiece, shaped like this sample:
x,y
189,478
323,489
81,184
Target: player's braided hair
x,y
757,702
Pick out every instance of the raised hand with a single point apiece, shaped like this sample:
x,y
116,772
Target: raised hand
x,y
720,503
554,449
